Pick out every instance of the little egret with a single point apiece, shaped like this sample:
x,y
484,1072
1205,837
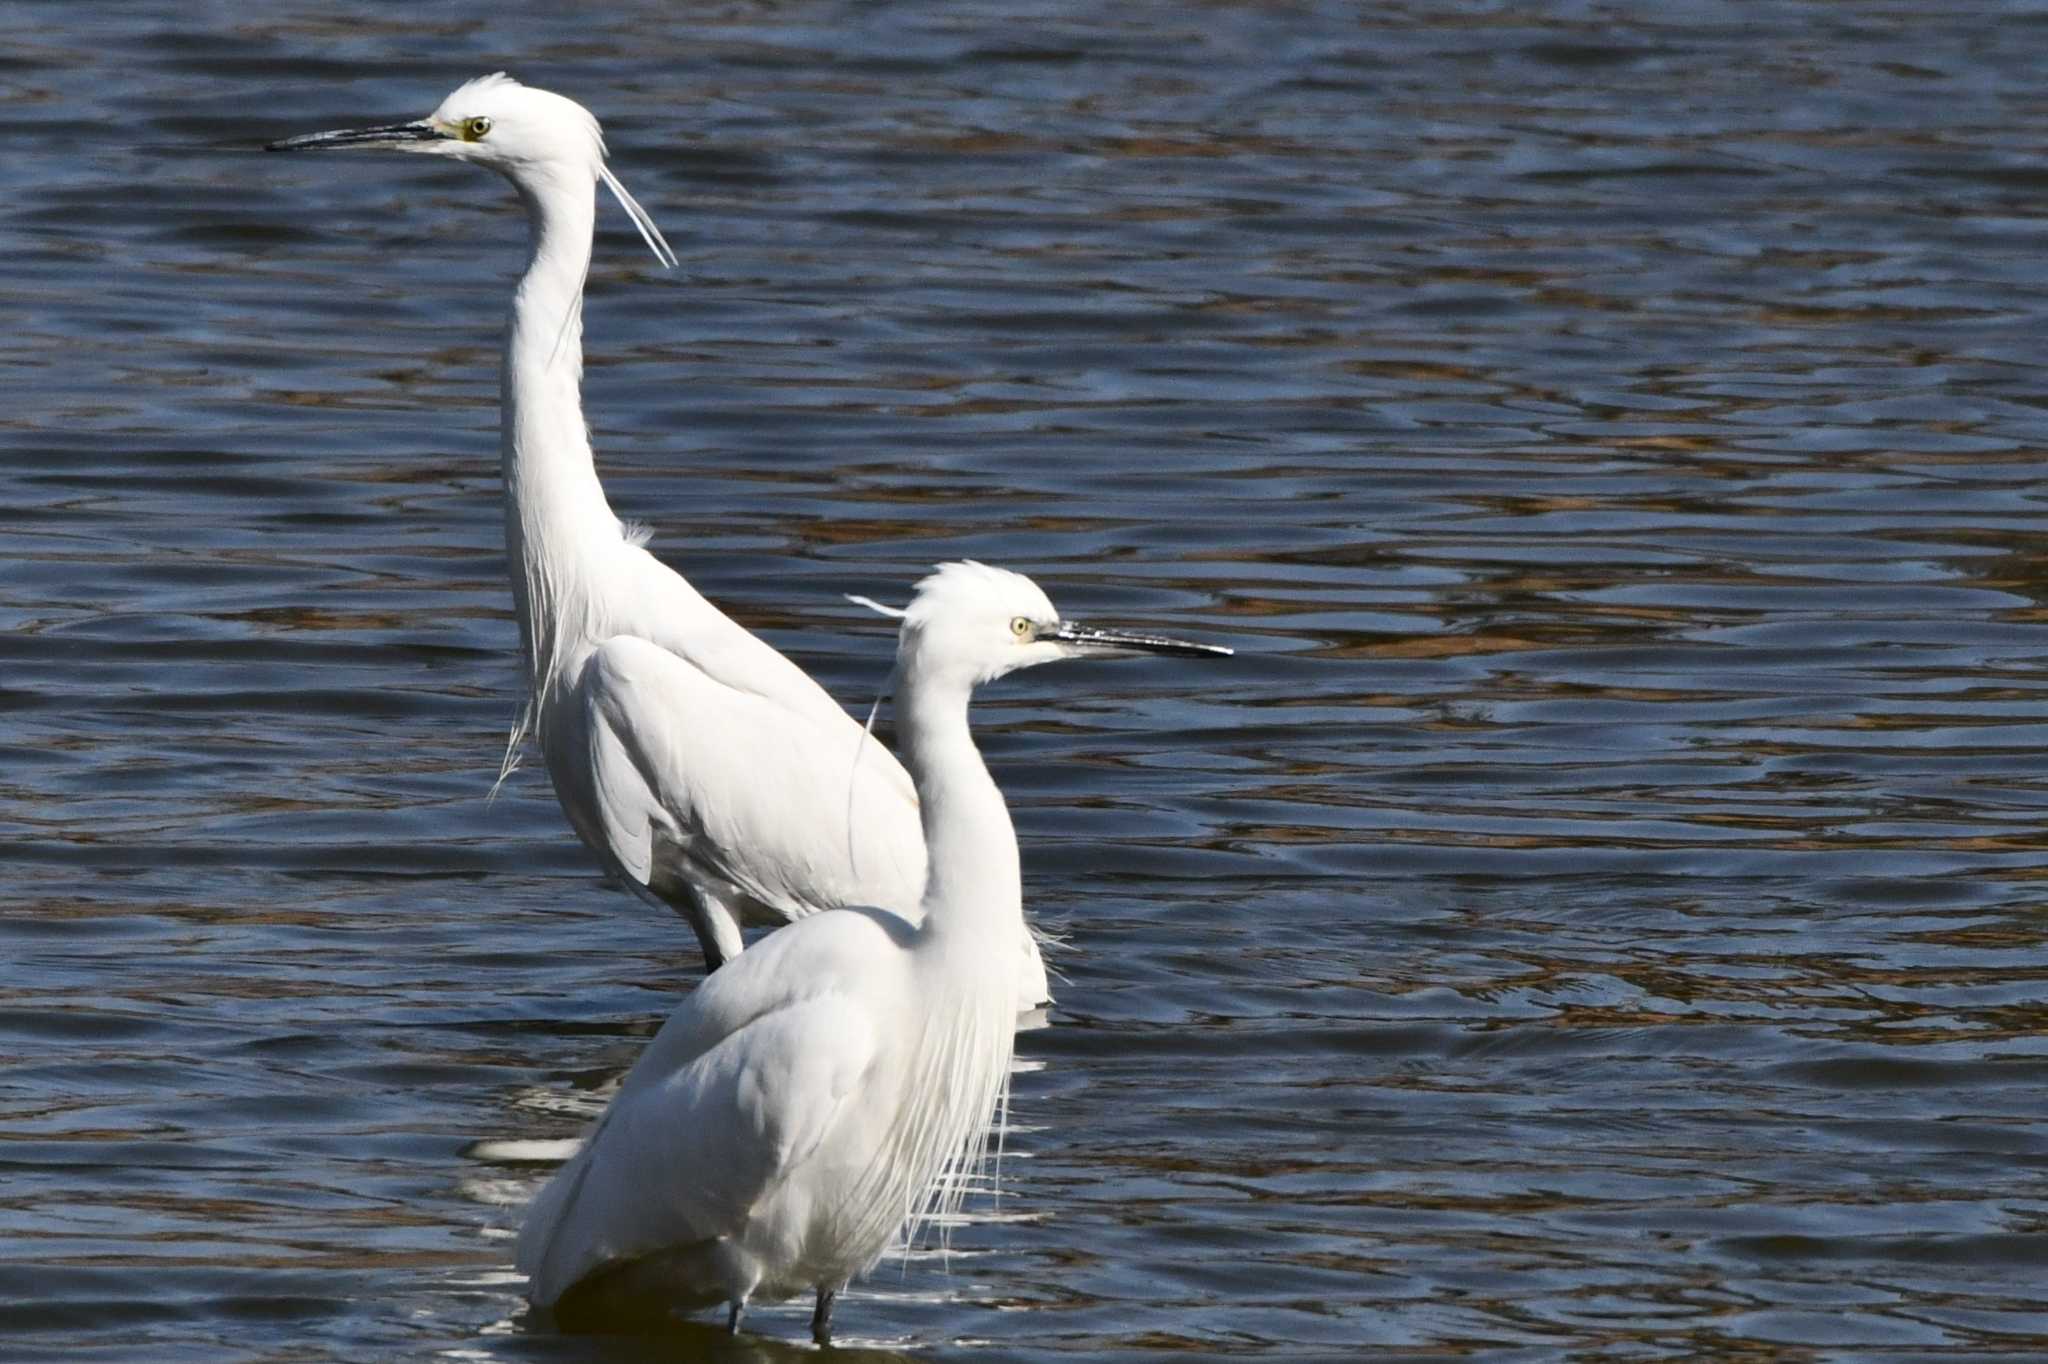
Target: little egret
x,y
835,1085
705,770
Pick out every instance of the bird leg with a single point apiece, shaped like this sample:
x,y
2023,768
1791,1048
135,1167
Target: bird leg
x,y
716,926
732,1318
821,1316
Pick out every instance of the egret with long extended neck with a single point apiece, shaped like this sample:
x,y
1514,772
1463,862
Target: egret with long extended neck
x,y
821,1095
705,770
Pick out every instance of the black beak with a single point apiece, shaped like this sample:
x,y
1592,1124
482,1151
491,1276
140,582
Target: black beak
x,y
389,135
1119,644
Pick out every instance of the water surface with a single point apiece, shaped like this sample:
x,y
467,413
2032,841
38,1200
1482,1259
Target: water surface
x,y
1598,914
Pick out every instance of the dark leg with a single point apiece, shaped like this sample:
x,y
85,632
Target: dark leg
x,y
732,1318
718,932
821,1316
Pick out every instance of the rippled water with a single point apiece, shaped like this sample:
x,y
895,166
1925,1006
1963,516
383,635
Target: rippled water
x,y
1599,914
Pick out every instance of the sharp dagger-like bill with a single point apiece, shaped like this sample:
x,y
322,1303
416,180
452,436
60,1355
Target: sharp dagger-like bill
x,y
1097,641
388,135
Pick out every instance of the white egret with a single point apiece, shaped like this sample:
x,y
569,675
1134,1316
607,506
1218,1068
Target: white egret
x,y
832,1087
705,770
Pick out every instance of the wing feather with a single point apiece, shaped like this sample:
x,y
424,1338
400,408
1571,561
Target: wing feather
x,y
798,814
687,1150
675,616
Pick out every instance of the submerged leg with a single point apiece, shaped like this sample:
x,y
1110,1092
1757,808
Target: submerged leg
x,y
821,1316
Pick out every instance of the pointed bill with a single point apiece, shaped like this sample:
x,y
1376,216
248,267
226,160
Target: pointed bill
x,y
1115,643
385,135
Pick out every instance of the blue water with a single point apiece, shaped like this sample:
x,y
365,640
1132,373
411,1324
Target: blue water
x,y
1598,915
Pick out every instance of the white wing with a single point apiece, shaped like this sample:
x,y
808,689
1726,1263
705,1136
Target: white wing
x,y
689,739
741,1086
796,813
667,611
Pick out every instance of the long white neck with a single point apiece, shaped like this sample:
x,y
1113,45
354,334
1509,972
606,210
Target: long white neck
x,y
973,890
966,951
556,516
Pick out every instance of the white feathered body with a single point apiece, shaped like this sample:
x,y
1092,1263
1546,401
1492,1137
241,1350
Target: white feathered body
x,y
688,753
785,1126
705,769
803,1107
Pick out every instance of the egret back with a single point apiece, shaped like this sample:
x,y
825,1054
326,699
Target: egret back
x,y
820,1094
664,762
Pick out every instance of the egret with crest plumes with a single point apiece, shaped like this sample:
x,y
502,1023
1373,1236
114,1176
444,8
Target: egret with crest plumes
x,y
705,770
833,1088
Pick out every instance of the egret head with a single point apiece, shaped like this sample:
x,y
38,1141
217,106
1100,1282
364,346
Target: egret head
x,y
972,622
541,141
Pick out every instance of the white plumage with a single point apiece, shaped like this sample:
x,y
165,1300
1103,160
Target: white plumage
x,y
818,1096
704,769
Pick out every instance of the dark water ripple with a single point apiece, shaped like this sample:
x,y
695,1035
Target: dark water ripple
x,y
1597,915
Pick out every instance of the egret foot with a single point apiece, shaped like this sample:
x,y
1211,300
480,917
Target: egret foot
x,y
821,1316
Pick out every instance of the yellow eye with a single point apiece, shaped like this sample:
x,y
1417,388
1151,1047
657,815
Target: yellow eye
x,y
1021,627
473,129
